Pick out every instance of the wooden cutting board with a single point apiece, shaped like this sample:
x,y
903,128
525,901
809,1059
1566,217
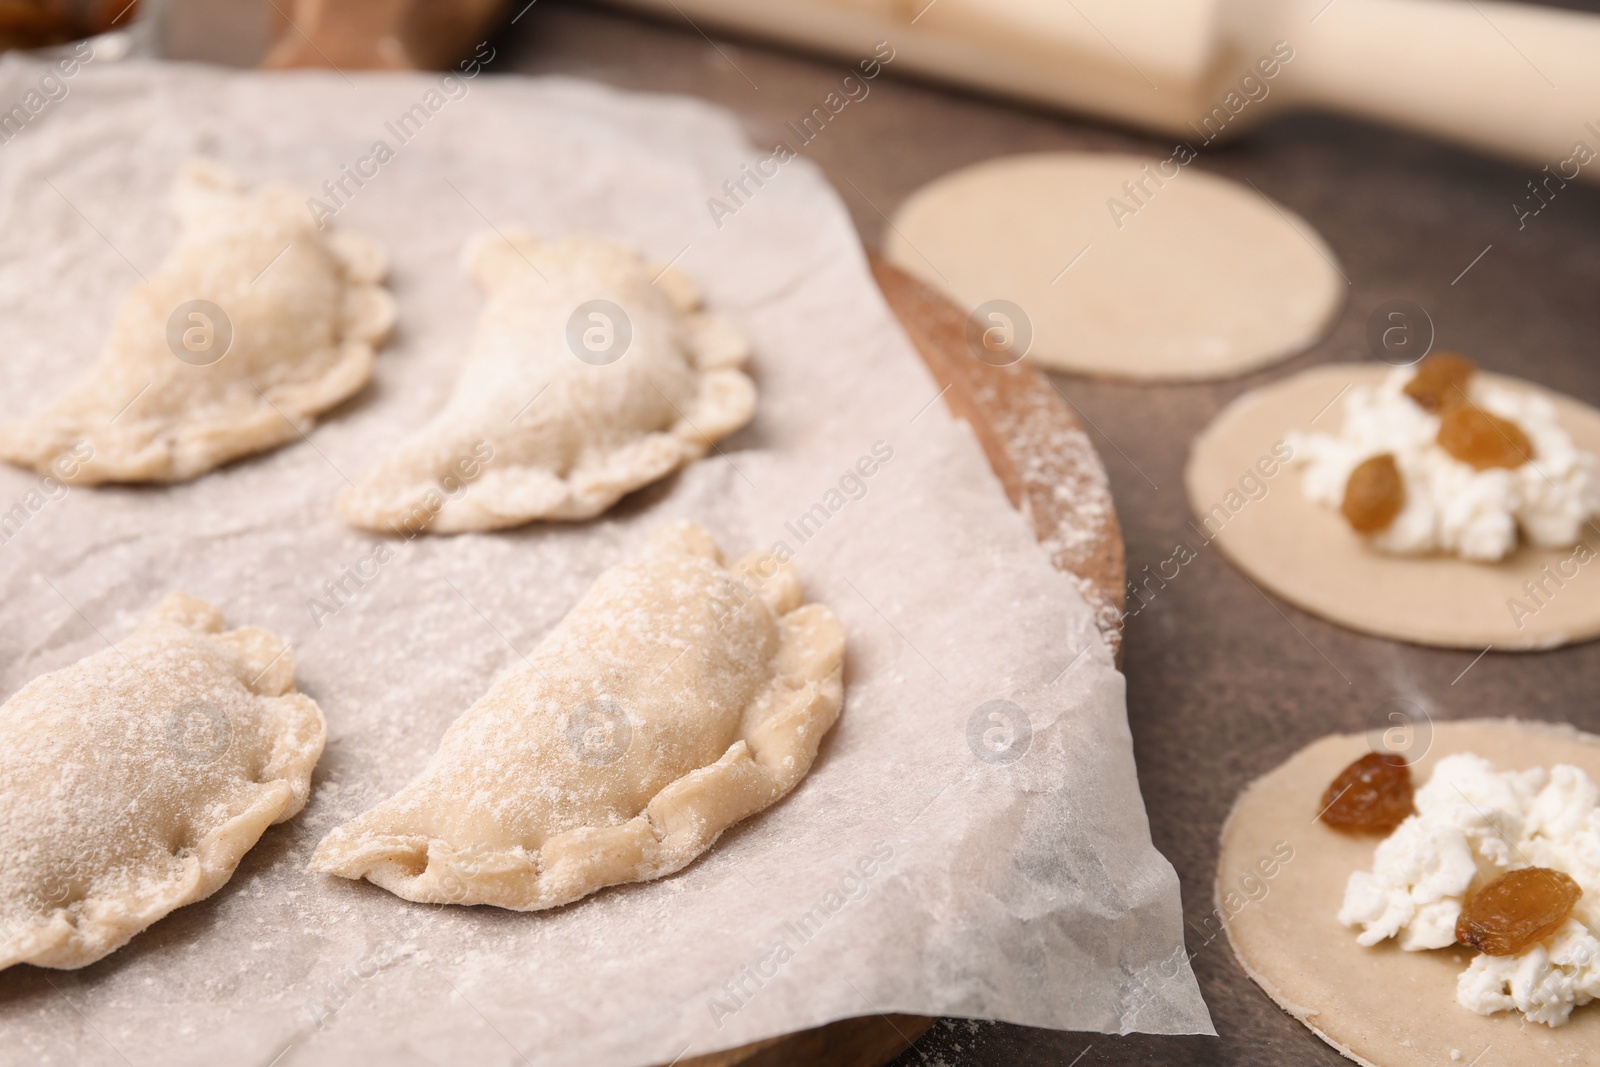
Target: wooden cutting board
x,y
1026,426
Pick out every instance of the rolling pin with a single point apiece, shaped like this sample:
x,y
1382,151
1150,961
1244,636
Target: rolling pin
x,y
1509,79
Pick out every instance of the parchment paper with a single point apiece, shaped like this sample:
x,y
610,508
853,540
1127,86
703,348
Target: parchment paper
x,y
907,873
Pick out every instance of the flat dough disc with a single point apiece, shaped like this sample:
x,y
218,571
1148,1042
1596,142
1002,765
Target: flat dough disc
x,y
1208,279
1304,551
1379,1006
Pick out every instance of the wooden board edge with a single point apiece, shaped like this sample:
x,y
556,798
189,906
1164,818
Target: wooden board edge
x,y
863,1041
1034,440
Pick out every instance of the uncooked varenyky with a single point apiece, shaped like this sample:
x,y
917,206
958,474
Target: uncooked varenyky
x,y
593,373
678,697
255,322
136,779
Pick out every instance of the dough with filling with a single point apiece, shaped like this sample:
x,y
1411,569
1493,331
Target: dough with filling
x,y
1380,1006
1123,266
1306,552
179,389
137,778
563,404
678,697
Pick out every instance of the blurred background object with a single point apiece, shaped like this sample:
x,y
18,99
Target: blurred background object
x,y
233,33
347,34
378,34
1511,79
1516,80
41,23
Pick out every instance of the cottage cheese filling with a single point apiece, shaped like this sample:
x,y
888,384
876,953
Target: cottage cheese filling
x,y
1473,824
1450,507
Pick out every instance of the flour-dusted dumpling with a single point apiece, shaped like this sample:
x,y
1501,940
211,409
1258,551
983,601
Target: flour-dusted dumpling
x,y
676,698
592,374
256,322
133,781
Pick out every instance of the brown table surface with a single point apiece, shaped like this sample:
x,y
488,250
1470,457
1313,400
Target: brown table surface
x,y
1223,683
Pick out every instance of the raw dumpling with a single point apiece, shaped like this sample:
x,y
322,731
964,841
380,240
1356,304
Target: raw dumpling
x,y
592,374
133,781
677,698
255,322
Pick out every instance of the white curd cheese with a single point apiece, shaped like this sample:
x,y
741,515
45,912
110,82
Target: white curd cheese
x,y
1544,983
1450,507
1473,824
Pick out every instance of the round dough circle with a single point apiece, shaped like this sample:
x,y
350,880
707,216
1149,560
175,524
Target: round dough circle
x,y
1379,1006
1307,554
1207,279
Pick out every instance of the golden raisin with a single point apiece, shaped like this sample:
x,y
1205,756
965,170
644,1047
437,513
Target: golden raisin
x,y
1476,437
1374,494
1517,910
1372,795
1440,381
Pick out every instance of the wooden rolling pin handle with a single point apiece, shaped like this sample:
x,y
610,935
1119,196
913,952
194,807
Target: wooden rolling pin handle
x,y
1510,79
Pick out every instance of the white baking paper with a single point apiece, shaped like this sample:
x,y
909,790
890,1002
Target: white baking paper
x,y
905,874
